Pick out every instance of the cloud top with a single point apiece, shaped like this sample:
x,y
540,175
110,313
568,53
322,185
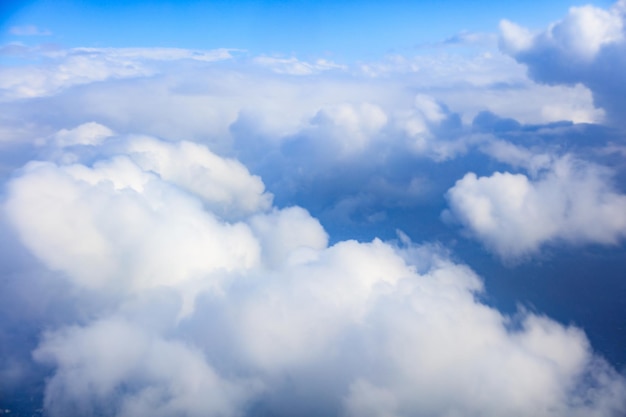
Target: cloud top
x,y
587,46
514,215
210,312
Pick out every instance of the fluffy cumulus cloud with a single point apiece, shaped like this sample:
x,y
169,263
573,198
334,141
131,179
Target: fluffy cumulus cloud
x,y
588,46
79,236
166,247
143,376
249,311
562,199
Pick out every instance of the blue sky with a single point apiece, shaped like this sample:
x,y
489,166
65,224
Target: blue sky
x,y
344,209
343,30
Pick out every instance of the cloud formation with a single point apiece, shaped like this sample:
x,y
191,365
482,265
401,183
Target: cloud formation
x,y
79,236
143,376
249,311
165,253
588,46
563,199
66,68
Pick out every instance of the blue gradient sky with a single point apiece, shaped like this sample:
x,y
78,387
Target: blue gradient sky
x,y
346,30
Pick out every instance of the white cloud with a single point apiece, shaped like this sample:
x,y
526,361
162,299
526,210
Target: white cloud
x,y
224,184
518,157
425,381
387,336
587,46
105,226
118,55
91,133
587,29
278,240
581,35
193,294
565,200
116,368
514,37
348,128
209,317
467,38
294,66
70,67
28,30
176,94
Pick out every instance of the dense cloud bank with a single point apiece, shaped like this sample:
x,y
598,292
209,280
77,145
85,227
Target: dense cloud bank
x,y
176,228
202,313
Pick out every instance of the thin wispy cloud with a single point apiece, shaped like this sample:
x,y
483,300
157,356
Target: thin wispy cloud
x,y
28,30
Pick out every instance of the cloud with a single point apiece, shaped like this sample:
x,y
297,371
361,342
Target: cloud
x,y
28,30
143,376
275,231
587,46
63,214
205,312
199,80
223,184
70,67
294,66
563,200
377,130
348,128
467,39
169,251
91,133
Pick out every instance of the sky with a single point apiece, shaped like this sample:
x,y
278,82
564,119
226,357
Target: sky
x,y
346,31
304,208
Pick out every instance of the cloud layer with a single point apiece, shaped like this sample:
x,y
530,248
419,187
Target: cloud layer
x,y
249,310
173,227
